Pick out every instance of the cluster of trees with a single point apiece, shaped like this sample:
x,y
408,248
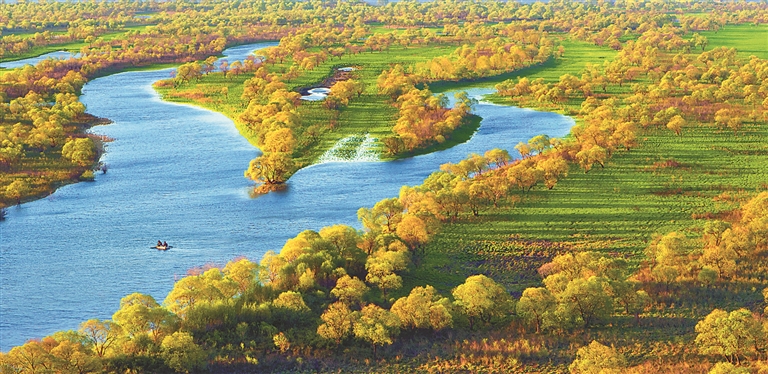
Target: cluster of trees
x,y
42,24
328,289
273,117
321,291
725,251
324,290
487,58
40,129
424,118
684,90
33,125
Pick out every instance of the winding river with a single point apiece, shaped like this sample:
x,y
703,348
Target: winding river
x,y
176,174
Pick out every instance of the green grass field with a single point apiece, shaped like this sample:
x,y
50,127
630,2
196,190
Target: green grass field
x,y
616,209
748,39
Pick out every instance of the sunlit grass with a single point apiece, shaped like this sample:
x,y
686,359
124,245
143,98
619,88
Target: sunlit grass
x,y
748,39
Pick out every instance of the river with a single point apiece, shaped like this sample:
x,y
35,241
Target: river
x,y
176,174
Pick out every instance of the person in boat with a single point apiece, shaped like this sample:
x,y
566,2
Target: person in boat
x,y
165,244
159,243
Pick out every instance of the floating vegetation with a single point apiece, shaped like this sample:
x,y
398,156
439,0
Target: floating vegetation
x,y
354,148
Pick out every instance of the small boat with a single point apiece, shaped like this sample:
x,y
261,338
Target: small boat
x,y
162,247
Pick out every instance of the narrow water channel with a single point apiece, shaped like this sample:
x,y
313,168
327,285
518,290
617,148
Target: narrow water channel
x,y
176,174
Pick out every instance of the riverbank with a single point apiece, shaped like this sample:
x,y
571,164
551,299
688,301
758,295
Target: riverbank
x,y
175,170
322,128
44,172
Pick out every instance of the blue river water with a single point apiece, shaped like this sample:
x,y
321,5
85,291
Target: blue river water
x,y
59,55
176,174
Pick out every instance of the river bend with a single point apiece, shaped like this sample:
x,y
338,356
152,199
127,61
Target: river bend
x,y
176,174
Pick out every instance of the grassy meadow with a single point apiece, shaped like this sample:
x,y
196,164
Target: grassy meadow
x,y
668,183
371,113
748,39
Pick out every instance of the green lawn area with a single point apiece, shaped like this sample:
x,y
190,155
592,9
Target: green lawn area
x,y
748,39
616,209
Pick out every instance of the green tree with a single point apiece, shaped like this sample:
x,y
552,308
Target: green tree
x,y
376,325
17,190
79,150
588,300
423,308
728,368
597,358
141,314
181,353
349,290
479,297
101,334
337,322
731,335
381,269
535,306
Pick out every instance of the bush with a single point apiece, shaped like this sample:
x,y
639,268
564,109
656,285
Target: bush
x,y
87,176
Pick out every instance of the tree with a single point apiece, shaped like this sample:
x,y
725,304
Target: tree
x,y
337,322
243,272
80,151
496,156
270,168
588,300
376,325
141,314
209,287
17,189
344,240
381,272
479,297
597,358
101,334
676,124
589,156
423,308
181,353
32,357
535,305
280,140
728,368
72,356
539,143
698,40
349,290
413,231
553,167
722,258
731,335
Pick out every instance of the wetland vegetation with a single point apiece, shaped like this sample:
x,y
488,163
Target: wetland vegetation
x,y
636,243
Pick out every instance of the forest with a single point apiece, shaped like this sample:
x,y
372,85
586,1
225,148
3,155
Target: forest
x,y
634,244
